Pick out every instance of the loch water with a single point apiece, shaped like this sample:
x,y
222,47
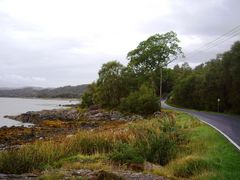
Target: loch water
x,y
16,106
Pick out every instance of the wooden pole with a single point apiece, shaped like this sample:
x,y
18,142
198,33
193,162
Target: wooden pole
x,y
160,88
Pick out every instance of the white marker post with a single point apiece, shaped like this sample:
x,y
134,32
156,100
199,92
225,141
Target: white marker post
x,y
218,105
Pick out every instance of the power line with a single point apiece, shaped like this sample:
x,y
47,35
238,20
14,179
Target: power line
x,y
216,44
219,40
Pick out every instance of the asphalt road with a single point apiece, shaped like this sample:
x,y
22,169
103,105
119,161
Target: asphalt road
x,y
228,125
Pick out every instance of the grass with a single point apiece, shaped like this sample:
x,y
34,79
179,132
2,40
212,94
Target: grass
x,y
207,155
180,146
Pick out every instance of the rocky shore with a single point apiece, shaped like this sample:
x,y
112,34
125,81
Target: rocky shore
x,y
56,123
73,114
91,175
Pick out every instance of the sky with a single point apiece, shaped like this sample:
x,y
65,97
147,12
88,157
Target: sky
x,y
51,43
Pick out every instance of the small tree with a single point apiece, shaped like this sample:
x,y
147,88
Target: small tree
x,y
110,85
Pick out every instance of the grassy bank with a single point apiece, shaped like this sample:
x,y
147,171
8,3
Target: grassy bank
x,y
208,155
177,144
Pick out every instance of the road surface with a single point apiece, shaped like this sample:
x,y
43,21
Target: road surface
x,y
228,125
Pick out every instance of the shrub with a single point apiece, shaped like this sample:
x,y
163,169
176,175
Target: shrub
x,y
154,143
126,153
87,99
143,101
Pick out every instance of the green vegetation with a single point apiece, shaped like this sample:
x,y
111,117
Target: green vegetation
x,y
143,101
206,155
44,154
201,87
120,87
179,145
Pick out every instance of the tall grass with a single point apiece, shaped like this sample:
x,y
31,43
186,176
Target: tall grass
x,y
154,140
38,155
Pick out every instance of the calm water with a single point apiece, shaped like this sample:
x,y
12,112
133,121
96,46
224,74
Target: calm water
x,y
15,106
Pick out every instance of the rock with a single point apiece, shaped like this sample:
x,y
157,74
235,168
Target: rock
x,y
55,114
28,176
114,175
96,115
115,115
82,172
136,117
157,114
66,115
104,175
136,166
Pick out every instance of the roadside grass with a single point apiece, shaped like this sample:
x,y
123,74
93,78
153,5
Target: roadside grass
x,y
207,155
179,146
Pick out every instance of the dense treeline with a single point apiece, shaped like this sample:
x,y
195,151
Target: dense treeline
x,y
199,88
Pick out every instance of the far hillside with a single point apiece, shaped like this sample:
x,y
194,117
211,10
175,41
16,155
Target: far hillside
x,y
61,92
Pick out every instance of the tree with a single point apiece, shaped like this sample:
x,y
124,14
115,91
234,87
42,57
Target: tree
x,y
155,53
110,84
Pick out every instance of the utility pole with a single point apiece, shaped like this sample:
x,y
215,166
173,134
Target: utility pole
x,y
218,104
160,87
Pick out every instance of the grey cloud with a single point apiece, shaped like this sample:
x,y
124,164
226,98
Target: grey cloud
x,y
205,18
40,59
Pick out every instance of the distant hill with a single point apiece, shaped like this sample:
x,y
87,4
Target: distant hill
x,y
61,92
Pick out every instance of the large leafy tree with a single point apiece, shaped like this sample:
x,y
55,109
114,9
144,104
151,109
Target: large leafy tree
x,y
155,53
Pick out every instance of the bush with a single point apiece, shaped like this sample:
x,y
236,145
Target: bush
x,y
143,101
87,99
126,153
155,141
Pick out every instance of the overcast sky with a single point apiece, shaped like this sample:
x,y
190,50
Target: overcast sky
x,y
51,43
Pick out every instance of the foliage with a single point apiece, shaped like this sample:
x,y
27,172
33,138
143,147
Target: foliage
x,y
126,153
88,98
110,84
118,85
158,50
143,101
201,87
157,140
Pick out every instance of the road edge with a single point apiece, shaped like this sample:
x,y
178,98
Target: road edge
x,y
226,136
